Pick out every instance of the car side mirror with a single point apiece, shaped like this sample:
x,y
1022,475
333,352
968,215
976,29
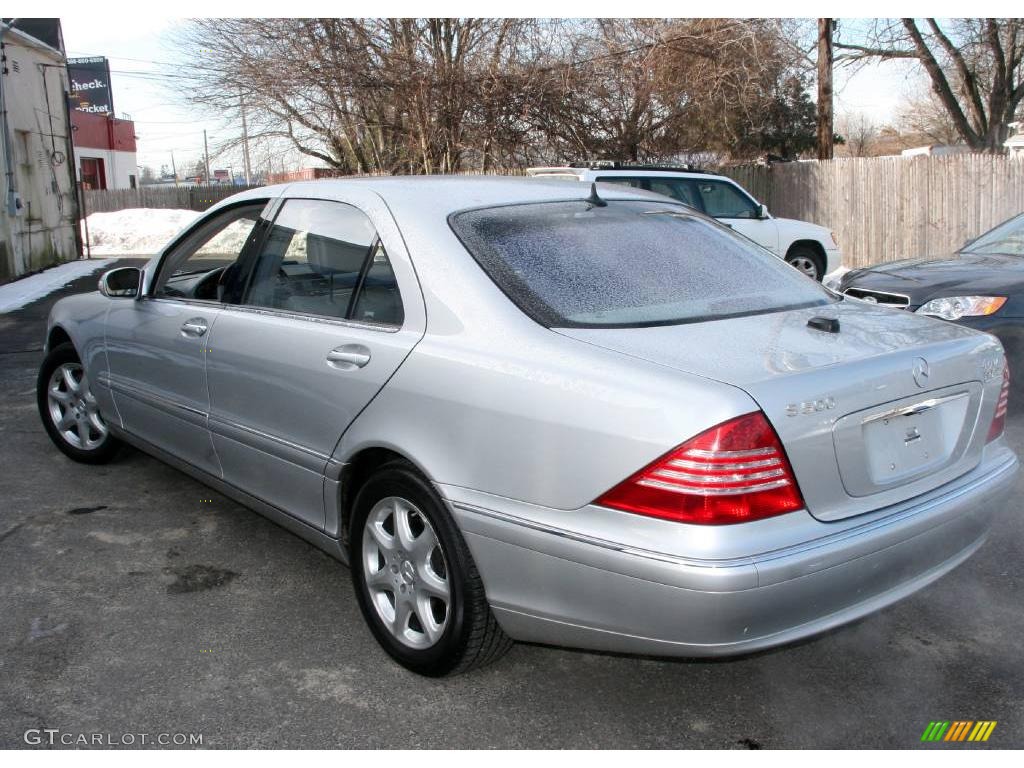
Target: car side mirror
x,y
762,211
121,283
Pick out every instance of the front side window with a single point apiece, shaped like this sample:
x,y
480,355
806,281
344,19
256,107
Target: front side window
x,y
724,201
324,258
206,260
630,263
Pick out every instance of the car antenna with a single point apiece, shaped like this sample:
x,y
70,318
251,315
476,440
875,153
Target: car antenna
x,y
595,200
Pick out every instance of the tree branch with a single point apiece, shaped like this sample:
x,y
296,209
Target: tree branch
x,y
941,85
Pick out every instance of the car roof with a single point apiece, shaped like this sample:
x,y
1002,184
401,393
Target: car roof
x,y
415,196
590,173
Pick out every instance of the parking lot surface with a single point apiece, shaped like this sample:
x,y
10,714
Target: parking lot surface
x,y
135,600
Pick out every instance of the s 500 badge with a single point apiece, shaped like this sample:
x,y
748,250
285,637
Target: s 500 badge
x,y
811,406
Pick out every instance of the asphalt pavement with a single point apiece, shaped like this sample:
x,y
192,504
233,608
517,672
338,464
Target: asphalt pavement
x,y
134,600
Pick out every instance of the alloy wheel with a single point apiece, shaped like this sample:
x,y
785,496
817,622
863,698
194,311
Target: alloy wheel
x,y
73,408
406,573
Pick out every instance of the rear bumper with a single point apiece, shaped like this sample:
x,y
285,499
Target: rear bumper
x,y
554,585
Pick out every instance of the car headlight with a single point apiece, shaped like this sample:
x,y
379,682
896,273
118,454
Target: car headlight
x,y
955,307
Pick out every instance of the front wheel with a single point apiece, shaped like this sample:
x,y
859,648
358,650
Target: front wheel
x,y
415,579
69,409
807,260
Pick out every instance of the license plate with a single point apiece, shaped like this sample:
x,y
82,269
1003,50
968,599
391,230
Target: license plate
x,y
910,440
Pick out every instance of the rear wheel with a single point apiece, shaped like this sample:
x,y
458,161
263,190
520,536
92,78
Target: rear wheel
x,y
807,260
69,410
415,579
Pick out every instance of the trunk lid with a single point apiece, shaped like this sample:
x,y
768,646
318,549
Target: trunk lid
x,y
890,407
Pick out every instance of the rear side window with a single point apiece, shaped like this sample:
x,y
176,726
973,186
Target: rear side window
x,y
725,201
567,264
379,300
324,258
626,181
678,189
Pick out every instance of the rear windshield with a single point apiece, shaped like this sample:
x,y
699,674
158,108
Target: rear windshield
x,y
630,263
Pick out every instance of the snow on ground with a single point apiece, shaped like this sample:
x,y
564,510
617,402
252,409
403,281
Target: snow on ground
x,y
134,231
21,292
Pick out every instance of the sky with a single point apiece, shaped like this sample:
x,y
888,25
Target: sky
x,y
166,124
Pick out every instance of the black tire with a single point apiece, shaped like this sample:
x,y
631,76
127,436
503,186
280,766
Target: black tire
x,y
107,447
800,255
472,637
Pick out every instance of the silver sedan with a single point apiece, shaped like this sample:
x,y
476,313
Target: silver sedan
x,y
522,411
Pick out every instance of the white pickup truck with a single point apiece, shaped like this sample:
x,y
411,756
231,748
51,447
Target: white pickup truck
x,y
810,248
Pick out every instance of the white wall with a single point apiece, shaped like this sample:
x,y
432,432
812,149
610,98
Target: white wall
x,y
118,166
44,232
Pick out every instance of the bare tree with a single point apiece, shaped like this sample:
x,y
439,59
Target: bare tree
x,y
826,132
646,89
858,132
394,95
976,68
443,95
926,118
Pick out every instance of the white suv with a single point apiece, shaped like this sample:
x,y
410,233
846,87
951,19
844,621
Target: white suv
x,y
808,247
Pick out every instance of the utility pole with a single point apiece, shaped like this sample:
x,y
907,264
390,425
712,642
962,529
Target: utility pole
x,y
174,169
825,127
206,157
245,144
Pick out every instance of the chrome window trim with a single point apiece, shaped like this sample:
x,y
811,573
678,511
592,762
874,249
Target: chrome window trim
x,y
292,315
186,300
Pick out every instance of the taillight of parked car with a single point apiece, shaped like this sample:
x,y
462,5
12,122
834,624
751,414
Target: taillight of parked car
x,y
999,419
732,473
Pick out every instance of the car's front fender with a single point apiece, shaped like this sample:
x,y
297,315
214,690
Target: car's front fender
x,y
82,319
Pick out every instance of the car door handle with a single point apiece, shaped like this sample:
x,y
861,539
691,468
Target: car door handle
x,y
195,327
348,357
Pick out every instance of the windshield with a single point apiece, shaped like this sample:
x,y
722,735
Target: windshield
x,y
630,263
1006,239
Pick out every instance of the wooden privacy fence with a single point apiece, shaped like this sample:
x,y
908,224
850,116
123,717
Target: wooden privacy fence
x,y
191,198
888,208
880,208
199,198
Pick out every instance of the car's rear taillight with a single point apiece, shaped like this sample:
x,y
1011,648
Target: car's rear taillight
x,y
999,419
732,473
